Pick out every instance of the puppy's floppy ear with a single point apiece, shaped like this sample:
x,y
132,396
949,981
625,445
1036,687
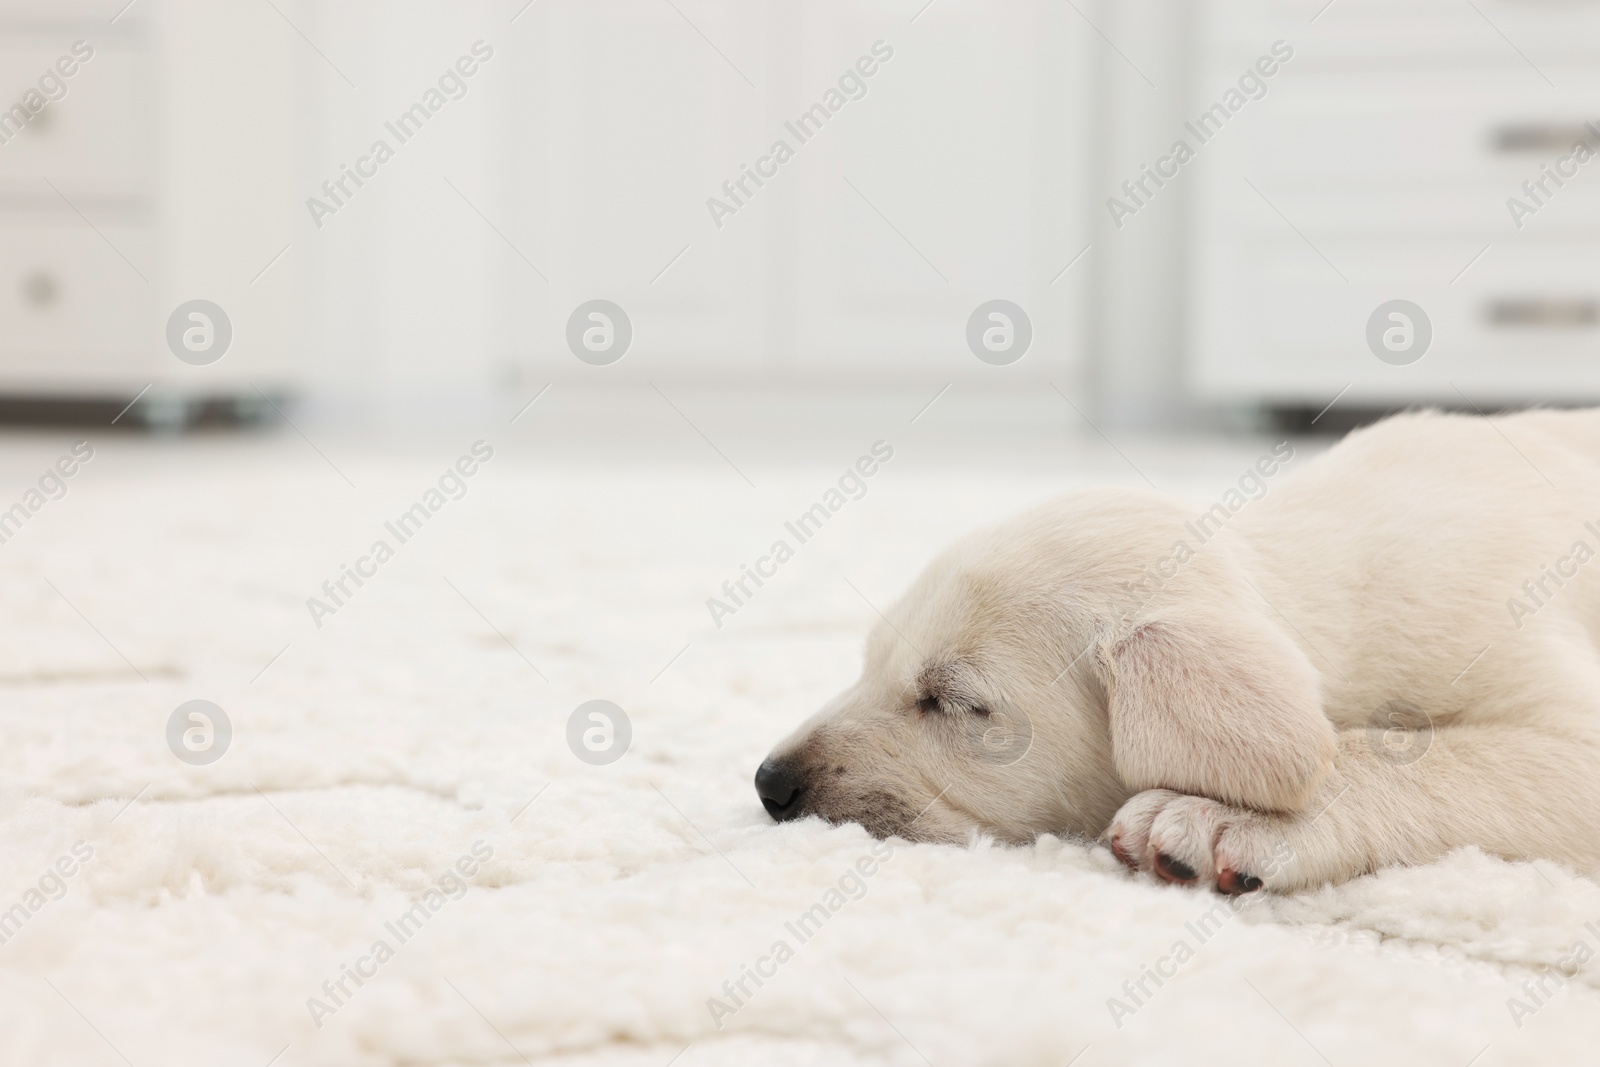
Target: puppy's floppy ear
x,y
1217,703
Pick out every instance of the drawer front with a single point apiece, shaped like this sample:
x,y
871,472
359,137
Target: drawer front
x,y
95,137
1522,323
1427,213
1492,127
1433,156
73,309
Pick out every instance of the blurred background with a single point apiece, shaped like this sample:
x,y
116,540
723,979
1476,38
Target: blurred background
x,y
1336,156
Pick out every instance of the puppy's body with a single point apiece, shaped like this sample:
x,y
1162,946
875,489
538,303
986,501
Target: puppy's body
x,y
1336,680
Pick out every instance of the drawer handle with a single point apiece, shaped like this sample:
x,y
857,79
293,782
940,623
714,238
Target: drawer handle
x,y
1544,136
1545,314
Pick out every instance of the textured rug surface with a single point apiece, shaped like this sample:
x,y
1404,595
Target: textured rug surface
x,y
400,859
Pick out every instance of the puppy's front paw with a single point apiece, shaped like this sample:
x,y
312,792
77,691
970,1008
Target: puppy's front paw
x,y
1195,841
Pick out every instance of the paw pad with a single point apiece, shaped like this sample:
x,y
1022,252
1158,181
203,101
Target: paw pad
x,y
1174,870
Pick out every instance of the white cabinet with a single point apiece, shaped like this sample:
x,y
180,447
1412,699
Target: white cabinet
x,y
145,162
953,174
1379,167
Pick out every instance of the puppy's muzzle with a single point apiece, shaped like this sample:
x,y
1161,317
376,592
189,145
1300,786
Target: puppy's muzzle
x,y
780,789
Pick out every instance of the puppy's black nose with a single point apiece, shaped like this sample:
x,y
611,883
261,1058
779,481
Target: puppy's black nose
x,y
780,790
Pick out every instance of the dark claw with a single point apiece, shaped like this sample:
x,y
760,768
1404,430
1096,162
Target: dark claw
x,y
1174,870
1233,883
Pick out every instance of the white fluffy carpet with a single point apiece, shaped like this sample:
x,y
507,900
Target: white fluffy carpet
x,y
377,750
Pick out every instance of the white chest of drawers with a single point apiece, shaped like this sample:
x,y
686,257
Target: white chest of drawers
x,y
1379,166
159,171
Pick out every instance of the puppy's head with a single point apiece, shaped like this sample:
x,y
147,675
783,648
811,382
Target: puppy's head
x,y
1033,678
966,715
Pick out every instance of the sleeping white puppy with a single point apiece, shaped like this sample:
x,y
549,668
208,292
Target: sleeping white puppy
x,y
1390,655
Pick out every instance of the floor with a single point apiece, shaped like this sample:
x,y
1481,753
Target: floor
x,y
402,770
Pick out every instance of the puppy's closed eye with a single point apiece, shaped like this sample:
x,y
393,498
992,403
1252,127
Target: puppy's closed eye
x,y
928,705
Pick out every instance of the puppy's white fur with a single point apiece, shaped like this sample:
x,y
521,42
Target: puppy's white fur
x,y
1333,683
